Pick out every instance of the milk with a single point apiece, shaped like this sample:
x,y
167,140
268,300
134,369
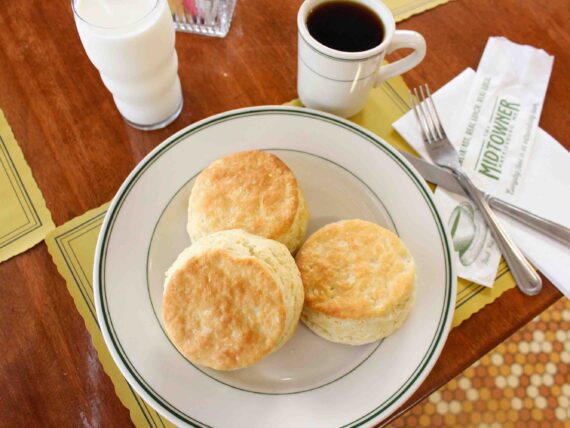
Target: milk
x,y
131,42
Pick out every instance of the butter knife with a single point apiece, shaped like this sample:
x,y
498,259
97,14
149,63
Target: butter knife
x,y
441,177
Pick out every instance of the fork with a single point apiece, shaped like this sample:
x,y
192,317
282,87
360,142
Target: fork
x,y
444,154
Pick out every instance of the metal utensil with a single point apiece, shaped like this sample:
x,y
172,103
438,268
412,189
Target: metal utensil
x,y
442,177
444,154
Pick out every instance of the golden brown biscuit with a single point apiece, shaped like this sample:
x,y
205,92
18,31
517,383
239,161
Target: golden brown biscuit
x,y
254,191
231,299
359,281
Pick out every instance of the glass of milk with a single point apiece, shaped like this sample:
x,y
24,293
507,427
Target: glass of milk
x,y
131,42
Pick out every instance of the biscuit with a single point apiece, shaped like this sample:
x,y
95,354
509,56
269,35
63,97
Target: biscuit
x,y
231,299
359,282
254,191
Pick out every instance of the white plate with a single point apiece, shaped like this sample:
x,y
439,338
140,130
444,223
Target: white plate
x,y
345,172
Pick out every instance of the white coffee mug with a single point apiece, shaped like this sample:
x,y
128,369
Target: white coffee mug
x,y
339,82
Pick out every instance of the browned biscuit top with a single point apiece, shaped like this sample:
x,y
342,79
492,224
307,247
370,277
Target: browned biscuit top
x,y
254,191
354,269
223,311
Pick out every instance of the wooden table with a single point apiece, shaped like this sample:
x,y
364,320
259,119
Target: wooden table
x,y
80,151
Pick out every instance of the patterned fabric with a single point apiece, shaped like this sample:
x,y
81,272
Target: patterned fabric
x,y
523,382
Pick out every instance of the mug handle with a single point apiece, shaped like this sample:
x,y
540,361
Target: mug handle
x,y
403,39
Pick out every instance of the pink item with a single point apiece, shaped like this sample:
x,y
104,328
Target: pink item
x,y
190,6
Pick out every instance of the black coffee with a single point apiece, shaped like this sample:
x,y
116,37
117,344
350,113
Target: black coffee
x,y
345,26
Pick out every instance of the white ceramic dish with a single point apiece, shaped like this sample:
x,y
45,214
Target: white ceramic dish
x,y
345,172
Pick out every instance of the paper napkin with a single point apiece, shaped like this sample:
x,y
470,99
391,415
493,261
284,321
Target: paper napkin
x,y
498,121
544,189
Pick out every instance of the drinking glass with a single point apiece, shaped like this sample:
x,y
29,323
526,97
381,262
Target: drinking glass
x,y
131,43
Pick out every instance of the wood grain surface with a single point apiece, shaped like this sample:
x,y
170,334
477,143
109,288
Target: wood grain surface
x,y
80,151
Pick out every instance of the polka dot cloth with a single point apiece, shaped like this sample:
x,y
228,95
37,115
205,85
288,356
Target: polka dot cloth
x,y
524,382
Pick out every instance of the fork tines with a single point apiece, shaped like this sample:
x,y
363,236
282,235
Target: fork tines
x,y
426,114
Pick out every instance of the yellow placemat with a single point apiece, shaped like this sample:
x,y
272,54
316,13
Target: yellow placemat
x,y
24,218
403,9
72,247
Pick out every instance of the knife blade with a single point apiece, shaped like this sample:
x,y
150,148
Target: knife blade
x,y
436,175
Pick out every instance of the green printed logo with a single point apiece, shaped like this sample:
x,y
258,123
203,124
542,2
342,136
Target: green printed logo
x,y
493,151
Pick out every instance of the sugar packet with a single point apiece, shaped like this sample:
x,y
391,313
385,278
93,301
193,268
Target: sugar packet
x,y
500,119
